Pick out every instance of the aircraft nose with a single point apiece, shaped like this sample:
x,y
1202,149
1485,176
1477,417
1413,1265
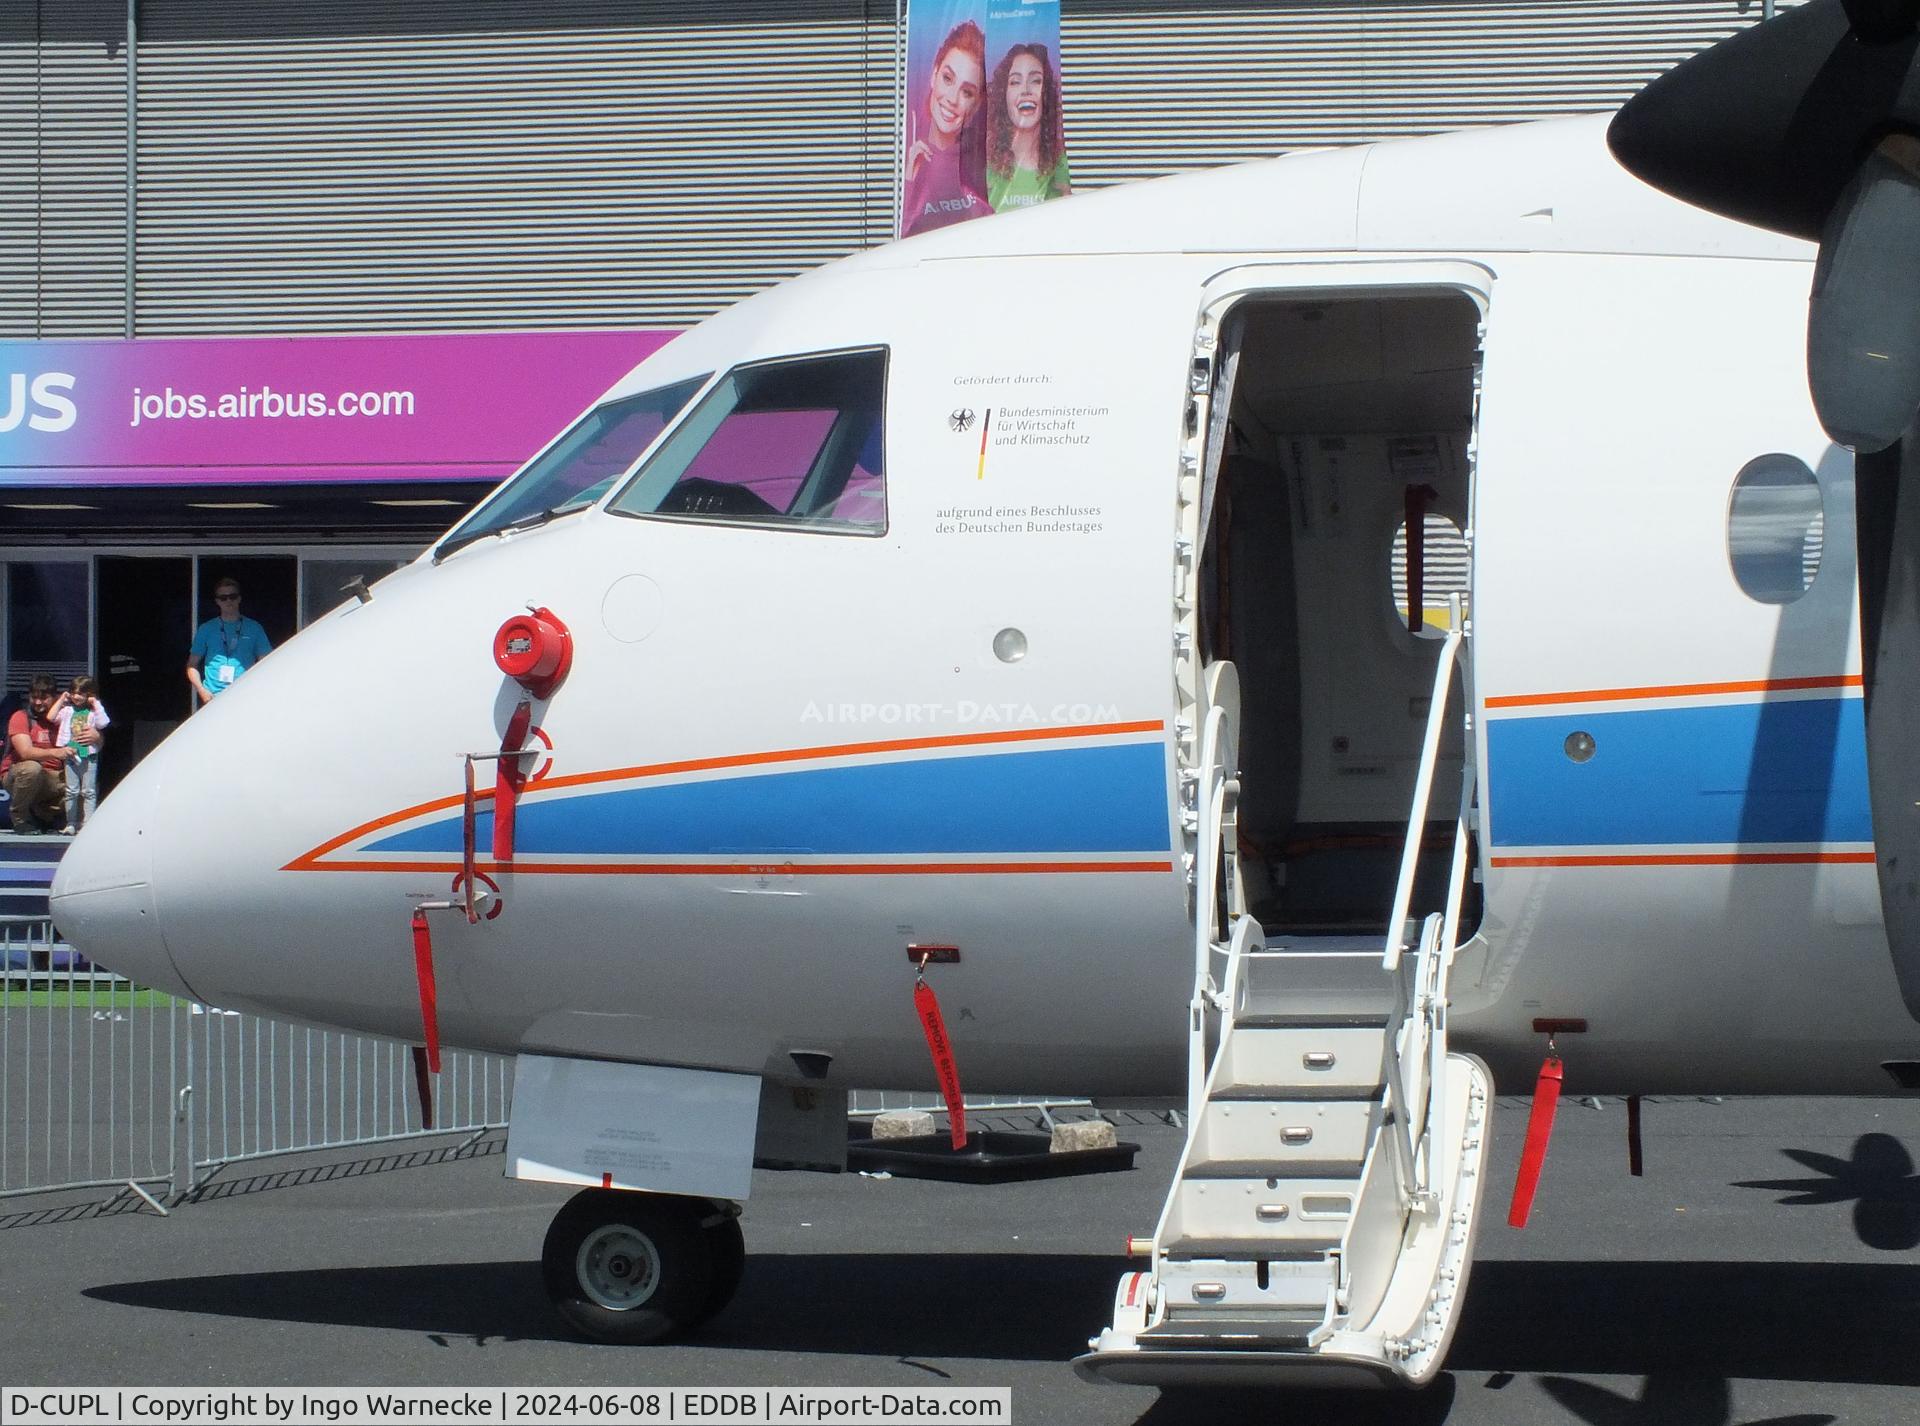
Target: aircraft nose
x,y
102,894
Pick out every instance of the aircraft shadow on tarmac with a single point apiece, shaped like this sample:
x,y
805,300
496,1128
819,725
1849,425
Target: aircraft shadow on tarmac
x,y
1693,1321
1877,1179
1661,1400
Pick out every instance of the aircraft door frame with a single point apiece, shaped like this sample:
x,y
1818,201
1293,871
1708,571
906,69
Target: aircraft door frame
x,y
1211,373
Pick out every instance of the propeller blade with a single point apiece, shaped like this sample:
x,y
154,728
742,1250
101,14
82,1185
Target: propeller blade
x,y
1863,324
1887,522
1768,126
1881,21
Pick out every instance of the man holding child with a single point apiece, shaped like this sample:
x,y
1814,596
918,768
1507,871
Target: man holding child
x,y
33,766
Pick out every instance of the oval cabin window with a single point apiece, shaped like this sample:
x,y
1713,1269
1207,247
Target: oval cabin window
x,y
1776,528
1445,569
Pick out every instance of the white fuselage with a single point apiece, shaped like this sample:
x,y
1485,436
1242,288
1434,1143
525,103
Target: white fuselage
x,y
783,755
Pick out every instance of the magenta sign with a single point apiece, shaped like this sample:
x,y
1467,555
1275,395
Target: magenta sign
x,y
253,410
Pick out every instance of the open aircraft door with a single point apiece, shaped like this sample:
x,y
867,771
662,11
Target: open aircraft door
x,y
1320,1225
1326,505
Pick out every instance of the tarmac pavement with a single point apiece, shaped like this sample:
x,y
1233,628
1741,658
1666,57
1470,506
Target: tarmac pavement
x,y
1762,1273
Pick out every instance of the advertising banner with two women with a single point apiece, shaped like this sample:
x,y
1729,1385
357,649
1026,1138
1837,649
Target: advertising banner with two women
x,y
983,130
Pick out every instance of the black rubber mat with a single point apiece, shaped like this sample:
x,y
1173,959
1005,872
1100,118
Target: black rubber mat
x,y
990,1156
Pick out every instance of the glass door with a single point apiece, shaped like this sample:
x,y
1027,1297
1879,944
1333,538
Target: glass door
x,y
143,630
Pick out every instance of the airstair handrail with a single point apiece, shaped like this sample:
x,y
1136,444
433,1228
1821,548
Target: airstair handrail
x,y
1423,787
1418,1077
1426,1008
1209,809
1243,941
1209,825
1437,986
1413,1099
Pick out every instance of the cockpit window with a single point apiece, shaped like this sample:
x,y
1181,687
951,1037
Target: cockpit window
x,y
582,465
793,442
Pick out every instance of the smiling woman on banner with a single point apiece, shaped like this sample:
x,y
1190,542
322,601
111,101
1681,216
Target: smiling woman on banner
x,y
1026,149
946,161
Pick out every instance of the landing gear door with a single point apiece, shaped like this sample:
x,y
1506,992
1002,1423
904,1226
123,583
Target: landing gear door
x,y
604,1124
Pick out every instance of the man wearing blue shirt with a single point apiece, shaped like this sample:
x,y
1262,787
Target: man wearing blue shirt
x,y
224,647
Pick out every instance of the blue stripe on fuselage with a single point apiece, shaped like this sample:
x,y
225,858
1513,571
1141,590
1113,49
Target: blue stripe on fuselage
x,y
1096,799
1791,770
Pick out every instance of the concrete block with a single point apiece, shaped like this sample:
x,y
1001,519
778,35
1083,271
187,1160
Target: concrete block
x,y
902,1124
1080,1135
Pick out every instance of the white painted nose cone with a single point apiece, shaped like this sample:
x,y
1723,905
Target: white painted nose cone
x,y
633,608
102,893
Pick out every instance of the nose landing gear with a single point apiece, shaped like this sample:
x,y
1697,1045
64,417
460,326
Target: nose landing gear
x,y
641,1267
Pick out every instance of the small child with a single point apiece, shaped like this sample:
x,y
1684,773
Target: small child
x,y
73,713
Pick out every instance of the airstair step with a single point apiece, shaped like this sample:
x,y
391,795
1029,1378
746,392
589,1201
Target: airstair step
x,y
1273,1252
1245,1287
1295,1170
1275,1332
1296,941
1320,984
1295,1094
1240,1215
1280,1133
1331,1061
1278,1019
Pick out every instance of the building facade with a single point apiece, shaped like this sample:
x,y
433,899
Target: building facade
x,y
218,167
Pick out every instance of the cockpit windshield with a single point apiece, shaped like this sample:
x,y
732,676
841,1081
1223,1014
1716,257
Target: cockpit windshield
x,y
795,442
578,469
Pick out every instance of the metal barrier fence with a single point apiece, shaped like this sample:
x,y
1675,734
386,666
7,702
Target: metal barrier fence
x,y
104,1083
85,1081
108,1084
257,1088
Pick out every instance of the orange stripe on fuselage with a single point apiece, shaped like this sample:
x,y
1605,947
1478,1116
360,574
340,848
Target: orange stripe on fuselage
x,y
1652,859
1676,690
309,861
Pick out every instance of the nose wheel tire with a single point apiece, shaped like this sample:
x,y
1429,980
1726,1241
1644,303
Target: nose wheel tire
x,y
639,1267
729,1247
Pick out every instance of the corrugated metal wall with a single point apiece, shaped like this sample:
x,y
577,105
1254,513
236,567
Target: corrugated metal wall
x,y
1153,86
340,165
494,163
63,177
19,158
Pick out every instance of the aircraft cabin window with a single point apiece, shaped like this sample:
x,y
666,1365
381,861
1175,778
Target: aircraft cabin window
x,y
1776,528
791,442
582,465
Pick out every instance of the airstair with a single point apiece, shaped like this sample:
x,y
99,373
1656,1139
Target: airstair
x,y
1320,1224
